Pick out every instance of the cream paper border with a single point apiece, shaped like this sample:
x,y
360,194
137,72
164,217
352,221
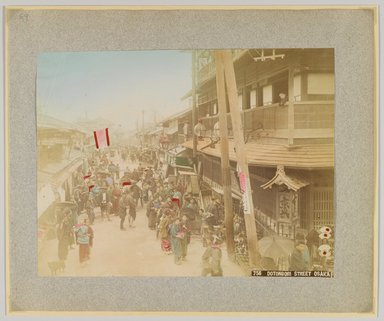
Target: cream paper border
x,y
26,281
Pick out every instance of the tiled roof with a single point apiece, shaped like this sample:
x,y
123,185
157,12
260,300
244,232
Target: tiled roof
x,y
296,156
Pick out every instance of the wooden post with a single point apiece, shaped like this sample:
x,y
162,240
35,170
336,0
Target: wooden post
x,y
194,108
242,162
291,110
225,165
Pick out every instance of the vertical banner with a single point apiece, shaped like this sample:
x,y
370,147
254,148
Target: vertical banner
x,y
245,194
243,182
246,204
101,138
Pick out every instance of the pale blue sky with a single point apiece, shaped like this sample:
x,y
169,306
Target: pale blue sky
x,y
114,85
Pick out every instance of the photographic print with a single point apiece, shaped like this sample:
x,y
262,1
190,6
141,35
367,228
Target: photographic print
x,y
167,161
186,163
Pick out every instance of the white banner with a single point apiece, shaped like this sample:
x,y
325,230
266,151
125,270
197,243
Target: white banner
x,y
246,205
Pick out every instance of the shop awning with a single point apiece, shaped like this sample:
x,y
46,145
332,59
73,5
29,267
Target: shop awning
x,y
155,131
281,178
313,156
176,151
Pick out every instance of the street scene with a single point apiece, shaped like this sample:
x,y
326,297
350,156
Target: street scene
x,y
186,163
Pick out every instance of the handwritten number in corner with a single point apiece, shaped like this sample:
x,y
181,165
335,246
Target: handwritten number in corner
x,y
24,16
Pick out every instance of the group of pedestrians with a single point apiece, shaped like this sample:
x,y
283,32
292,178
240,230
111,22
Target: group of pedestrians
x,y
70,233
73,219
171,211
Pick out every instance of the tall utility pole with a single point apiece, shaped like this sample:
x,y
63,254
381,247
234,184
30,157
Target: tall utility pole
x,y
241,156
194,108
225,165
137,126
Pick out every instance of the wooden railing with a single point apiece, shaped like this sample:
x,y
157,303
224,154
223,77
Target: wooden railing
x,y
312,119
269,117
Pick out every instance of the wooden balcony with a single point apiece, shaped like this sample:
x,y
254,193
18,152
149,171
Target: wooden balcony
x,y
312,120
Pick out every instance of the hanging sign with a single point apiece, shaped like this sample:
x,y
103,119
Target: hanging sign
x,y
245,193
246,204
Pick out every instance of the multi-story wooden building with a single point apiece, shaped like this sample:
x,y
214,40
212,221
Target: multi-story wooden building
x,y
286,97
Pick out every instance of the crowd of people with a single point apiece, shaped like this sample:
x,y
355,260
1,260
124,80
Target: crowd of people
x,y
102,187
173,214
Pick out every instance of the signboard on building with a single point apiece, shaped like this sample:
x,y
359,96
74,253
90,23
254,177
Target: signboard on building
x,y
245,193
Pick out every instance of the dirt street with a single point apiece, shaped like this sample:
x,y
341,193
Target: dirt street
x,y
133,252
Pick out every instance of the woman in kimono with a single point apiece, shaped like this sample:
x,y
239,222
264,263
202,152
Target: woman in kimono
x,y
164,223
184,242
177,235
84,238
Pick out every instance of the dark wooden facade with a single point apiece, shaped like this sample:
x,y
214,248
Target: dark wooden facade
x,y
305,74
297,135
306,77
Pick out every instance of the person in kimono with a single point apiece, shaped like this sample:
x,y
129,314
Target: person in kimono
x,y
186,230
84,238
177,235
163,231
211,259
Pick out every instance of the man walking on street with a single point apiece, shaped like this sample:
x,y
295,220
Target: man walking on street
x,y
123,204
132,208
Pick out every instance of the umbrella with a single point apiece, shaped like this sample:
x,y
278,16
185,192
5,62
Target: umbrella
x,y
275,247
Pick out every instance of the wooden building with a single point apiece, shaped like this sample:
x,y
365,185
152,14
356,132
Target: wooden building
x,y
286,98
60,150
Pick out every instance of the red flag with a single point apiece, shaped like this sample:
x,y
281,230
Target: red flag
x,y
126,183
101,138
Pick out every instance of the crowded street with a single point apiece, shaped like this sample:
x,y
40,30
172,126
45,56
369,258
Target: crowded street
x,y
132,251
209,181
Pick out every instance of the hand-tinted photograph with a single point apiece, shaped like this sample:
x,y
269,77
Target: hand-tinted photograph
x,y
186,163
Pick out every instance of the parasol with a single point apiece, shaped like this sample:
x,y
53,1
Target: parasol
x,y
275,247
